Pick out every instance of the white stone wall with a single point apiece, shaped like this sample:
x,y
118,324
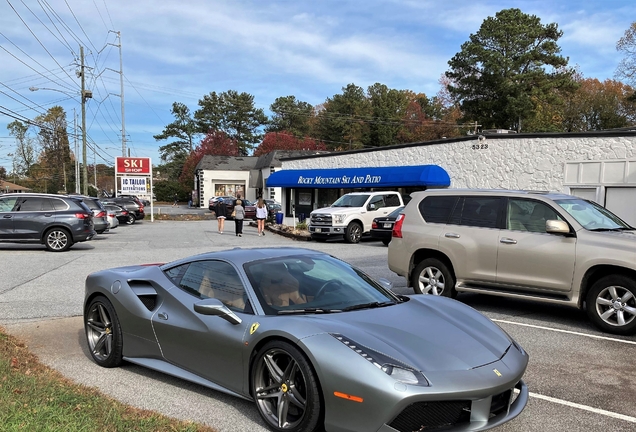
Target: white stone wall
x,y
507,163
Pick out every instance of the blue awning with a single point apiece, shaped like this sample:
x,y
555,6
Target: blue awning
x,y
419,175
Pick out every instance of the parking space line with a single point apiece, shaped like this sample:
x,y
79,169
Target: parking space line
x,y
585,408
566,331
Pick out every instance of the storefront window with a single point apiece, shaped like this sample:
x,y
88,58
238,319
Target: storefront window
x,y
234,190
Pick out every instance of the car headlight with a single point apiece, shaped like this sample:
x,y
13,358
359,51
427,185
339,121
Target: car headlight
x,y
339,218
400,372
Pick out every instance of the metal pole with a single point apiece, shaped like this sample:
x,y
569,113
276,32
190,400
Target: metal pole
x,y
121,80
84,169
77,173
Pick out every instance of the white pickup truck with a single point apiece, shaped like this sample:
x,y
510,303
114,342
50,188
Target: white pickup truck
x,y
352,214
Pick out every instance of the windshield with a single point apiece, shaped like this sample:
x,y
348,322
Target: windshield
x,y
310,284
592,216
351,201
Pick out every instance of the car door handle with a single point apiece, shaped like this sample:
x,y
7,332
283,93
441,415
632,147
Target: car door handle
x,y
507,240
162,315
451,235
8,216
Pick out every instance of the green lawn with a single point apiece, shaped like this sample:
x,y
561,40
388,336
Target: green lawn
x,y
34,397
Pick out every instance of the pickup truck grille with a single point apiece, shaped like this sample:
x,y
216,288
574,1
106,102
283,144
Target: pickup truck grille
x,y
321,219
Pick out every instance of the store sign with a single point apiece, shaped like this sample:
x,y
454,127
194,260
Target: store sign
x,y
340,180
132,165
134,185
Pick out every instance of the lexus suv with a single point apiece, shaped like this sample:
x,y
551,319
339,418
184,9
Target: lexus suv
x,y
57,221
548,247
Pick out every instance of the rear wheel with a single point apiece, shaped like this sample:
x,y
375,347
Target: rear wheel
x,y
431,276
353,233
131,219
611,304
57,240
286,389
103,333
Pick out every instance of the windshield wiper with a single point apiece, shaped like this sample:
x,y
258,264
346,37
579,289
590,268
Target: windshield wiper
x,y
369,305
307,310
611,229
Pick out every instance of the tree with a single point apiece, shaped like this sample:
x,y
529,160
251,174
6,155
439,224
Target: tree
x,y
184,130
388,107
55,159
24,155
214,143
234,114
627,45
3,173
506,68
343,121
286,141
291,115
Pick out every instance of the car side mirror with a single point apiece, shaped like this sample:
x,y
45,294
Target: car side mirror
x,y
557,227
214,307
371,207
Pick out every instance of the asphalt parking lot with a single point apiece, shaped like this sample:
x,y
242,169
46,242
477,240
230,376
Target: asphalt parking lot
x,y
579,379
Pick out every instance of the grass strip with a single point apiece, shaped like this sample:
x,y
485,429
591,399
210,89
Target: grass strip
x,y
34,397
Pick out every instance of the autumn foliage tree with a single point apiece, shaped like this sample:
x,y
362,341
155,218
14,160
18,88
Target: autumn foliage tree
x,y
287,141
214,143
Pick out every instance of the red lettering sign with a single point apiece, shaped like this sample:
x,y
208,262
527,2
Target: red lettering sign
x,y
132,165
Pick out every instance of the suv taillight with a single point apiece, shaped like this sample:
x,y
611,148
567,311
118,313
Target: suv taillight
x,y
397,227
124,212
82,215
141,208
101,214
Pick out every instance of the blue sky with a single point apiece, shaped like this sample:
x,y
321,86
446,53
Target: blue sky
x,y
182,50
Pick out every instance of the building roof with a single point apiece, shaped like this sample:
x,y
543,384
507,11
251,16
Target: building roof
x,y
6,186
272,159
227,163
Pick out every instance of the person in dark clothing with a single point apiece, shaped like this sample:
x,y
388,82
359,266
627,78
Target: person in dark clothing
x,y
176,200
221,214
239,215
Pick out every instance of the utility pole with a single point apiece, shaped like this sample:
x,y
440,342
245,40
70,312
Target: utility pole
x,y
84,170
77,172
121,95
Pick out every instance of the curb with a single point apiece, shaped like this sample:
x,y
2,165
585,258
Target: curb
x,y
284,234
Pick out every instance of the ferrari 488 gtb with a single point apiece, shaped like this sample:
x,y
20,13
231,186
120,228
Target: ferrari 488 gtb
x,y
314,342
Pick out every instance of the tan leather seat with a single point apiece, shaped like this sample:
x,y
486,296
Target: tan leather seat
x,y
279,288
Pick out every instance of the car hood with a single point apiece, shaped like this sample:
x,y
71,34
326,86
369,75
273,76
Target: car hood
x,y
334,210
616,240
427,332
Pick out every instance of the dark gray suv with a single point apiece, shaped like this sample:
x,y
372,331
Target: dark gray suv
x,y
57,221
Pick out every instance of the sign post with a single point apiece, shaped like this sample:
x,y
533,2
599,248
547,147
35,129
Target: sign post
x,y
135,177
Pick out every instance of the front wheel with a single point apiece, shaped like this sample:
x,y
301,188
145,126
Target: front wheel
x,y
57,240
103,333
611,304
286,389
431,276
353,233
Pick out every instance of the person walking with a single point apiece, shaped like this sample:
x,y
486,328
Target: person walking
x,y
239,215
176,200
261,215
221,214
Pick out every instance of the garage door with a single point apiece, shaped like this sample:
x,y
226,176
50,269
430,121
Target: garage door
x,y
622,201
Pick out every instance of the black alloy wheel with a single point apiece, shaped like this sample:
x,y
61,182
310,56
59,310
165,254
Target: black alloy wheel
x,y
103,333
57,240
431,276
285,388
130,219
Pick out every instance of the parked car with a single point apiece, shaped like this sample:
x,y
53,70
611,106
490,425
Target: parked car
x,y
548,247
273,208
143,201
351,215
314,342
382,227
113,222
100,218
250,208
212,202
121,214
57,221
132,206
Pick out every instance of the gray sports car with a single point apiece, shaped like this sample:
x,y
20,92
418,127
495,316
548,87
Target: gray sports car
x,y
315,342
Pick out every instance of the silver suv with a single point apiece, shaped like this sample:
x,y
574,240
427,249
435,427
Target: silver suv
x,y
548,247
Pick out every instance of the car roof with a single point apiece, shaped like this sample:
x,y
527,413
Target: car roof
x,y
240,256
465,191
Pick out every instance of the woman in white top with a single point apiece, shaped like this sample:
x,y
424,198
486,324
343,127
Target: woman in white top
x,y
261,215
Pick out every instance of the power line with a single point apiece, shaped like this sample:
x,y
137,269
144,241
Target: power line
x,y
80,25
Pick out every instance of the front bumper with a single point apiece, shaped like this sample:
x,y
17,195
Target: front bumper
x,y
327,230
